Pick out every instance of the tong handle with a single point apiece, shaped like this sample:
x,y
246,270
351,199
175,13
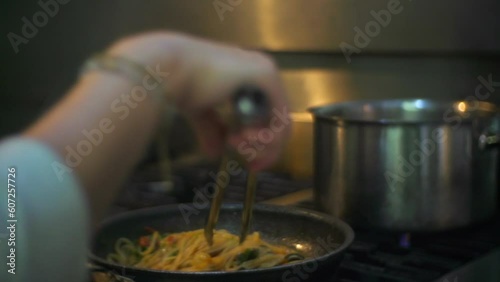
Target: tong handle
x,y
248,205
213,215
248,107
252,109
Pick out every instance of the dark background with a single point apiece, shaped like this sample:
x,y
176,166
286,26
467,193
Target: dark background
x,y
423,62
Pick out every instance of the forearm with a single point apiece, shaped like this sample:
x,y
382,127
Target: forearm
x,y
201,75
100,130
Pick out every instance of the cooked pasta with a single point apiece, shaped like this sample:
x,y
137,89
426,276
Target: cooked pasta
x,y
189,251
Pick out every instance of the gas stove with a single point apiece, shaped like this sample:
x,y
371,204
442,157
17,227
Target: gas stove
x,y
469,254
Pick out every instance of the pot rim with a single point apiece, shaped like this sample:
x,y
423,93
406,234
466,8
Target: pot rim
x,y
325,112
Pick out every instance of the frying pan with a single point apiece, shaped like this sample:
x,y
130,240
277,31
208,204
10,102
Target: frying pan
x,y
321,237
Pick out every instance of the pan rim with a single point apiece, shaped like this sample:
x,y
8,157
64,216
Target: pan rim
x,y
347,231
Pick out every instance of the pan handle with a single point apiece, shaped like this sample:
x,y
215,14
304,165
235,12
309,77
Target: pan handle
x,y
112,275
491,136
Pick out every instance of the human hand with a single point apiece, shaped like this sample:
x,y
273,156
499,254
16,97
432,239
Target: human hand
x,y
202,76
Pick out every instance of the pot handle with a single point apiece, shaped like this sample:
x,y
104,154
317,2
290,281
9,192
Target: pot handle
x,y
491,136
113,276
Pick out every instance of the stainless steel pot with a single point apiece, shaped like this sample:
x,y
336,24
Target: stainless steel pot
x,y
412,165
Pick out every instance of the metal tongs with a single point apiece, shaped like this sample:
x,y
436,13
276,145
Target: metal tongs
x,y
249,107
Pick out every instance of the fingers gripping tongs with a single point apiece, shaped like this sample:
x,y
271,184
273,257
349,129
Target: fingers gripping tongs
x,y
248,108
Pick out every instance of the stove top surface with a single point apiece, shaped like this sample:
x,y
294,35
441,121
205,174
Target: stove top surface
x,y
469,254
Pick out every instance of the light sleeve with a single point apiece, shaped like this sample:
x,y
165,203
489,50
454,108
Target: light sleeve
x,y
49,226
